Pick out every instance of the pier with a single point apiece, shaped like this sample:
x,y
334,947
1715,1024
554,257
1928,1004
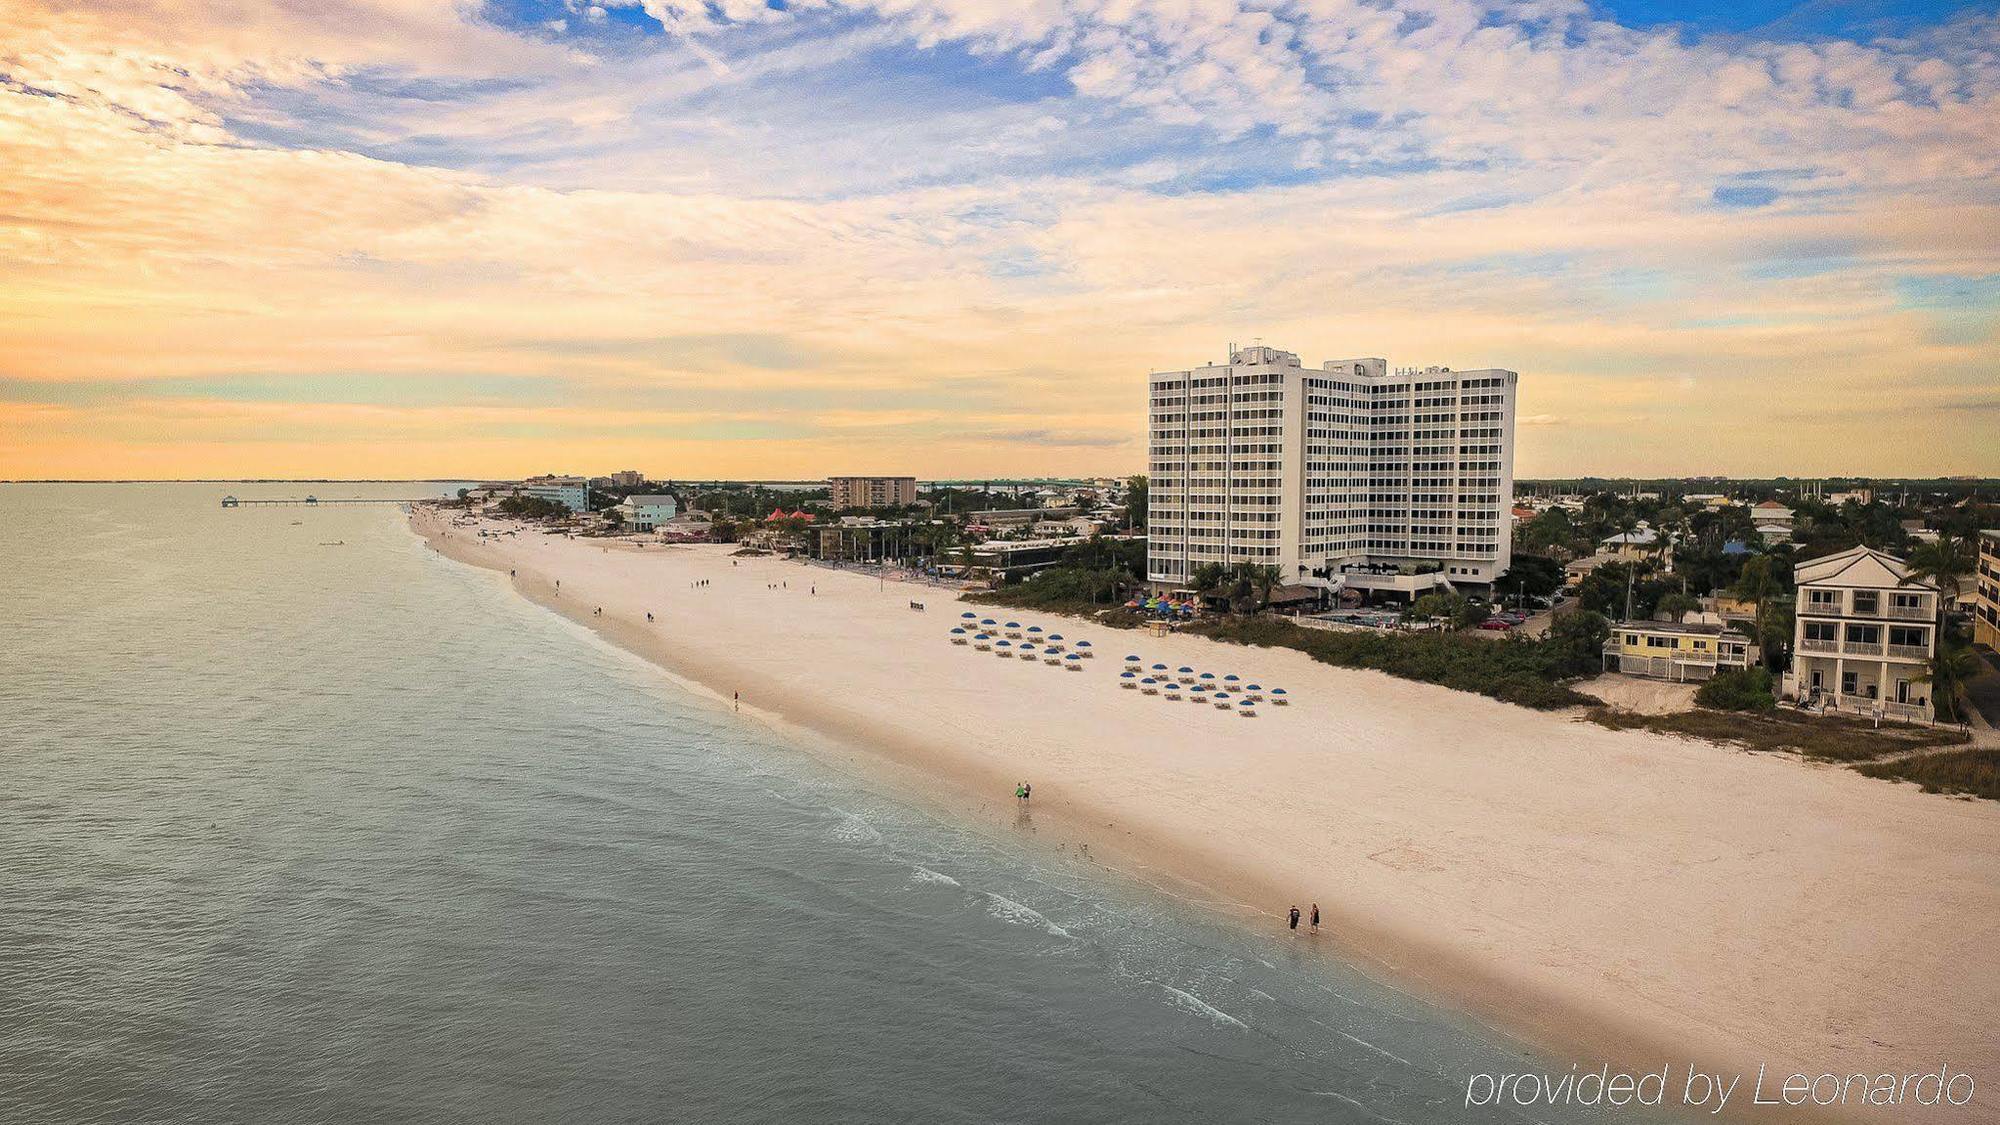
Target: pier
x,y
315,501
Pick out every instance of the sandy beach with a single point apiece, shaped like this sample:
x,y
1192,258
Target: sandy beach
x,y
1604,895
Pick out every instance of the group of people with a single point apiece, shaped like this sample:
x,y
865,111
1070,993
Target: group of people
x,y
1023,791
918,606
1294,917
697,583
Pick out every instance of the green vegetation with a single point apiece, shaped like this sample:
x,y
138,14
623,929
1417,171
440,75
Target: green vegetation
x,y
1514,669
1743,689
1137,491
1453,609
1093,575
1784,731
1972,772
532,508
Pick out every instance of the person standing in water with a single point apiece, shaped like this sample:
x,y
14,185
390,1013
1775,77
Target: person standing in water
x,y
1315,918
1295,918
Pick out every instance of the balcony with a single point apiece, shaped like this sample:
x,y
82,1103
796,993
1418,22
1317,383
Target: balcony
x,y
1810,644
1911,613
1862,648
1910,652
1823,609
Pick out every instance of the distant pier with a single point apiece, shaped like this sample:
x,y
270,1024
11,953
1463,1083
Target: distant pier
x,y
315,501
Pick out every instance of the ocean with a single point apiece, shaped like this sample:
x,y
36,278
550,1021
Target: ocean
x,y
300,822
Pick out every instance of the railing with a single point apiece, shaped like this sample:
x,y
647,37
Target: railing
x,y
1811,644
1910,612
1823,609
1910,652
1863,648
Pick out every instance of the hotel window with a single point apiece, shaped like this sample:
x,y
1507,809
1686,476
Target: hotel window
x,y
1823,600
1906,601
1849,681
1821,631
1864,634
1908,637
1866,602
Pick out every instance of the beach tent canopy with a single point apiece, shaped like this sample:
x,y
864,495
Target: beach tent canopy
x,y
1126,675
968,616
1252,687
1149,680
1083,644
1133,659
1208,675
957,630
982,637
1277,691
1159,667
1231,677
1185,668
1034,628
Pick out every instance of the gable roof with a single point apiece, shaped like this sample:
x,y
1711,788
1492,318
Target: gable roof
x,y
1860,567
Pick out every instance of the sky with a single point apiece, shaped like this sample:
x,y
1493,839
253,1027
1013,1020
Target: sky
x,y
950,238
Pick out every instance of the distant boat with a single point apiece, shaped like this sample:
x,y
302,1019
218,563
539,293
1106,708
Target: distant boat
x,y
335,543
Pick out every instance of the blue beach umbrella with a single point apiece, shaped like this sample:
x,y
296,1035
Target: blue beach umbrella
x,y
1230,678
1083,644
968,616
1159,667
1149,680
1055,636
1208,675
958,632
1034,628
1130,659
1186,671
1127,675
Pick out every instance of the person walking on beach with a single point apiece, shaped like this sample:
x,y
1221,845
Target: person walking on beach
x,y
1027,791
649,615
736,701
1295,918
1315,918
1021,791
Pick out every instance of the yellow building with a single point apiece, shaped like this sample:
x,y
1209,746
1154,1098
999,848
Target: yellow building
x,y
1986,598
1665,650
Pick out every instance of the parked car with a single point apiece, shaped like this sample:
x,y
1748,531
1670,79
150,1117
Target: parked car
x,y
1496,623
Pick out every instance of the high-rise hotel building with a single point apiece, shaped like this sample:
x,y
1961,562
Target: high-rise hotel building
x,y
1344,476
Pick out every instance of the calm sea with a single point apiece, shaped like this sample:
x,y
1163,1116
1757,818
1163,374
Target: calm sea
x,y
300,822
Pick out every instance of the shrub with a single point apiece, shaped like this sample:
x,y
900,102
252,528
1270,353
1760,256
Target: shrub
x,y
1741,689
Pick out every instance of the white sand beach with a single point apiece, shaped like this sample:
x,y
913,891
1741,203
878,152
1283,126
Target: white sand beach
x,y
1606,895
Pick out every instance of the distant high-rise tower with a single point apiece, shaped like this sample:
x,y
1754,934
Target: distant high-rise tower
x,y
1344,477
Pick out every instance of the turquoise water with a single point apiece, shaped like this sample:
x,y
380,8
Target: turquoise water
x,y
293,832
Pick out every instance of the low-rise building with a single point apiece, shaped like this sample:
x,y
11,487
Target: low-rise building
x,y
1005,559
1640,543
1669,650
1865,635
628,478
1772,512
872,492
1986,590
644,513
571,492
1577,570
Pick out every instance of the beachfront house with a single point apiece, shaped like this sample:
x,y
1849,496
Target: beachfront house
x,y
644,513
1865,635
1641,543
1669,650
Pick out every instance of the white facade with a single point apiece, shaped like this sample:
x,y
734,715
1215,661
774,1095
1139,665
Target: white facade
x,y
1341,476
571,492
644,513
1864,637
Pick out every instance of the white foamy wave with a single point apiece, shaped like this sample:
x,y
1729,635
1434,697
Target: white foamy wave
x,y
854,830
924,874
1188,1001
1007,910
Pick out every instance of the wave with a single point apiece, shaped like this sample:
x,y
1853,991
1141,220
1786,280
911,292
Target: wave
x,y
1007,910
1188,1001
926,875
854,830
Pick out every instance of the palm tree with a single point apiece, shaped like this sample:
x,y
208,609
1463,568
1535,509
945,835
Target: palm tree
x,y
1941,563
1947,674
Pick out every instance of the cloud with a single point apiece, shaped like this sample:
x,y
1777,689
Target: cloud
x,y
963,232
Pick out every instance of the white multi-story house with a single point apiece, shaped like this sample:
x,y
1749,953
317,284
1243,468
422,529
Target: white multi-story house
x,y
1344,476
1864,637
1986,590
644,513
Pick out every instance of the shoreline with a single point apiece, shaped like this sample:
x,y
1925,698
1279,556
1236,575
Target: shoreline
x,y
1433,857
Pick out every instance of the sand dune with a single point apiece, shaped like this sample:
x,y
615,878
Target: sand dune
x,y
1604,894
